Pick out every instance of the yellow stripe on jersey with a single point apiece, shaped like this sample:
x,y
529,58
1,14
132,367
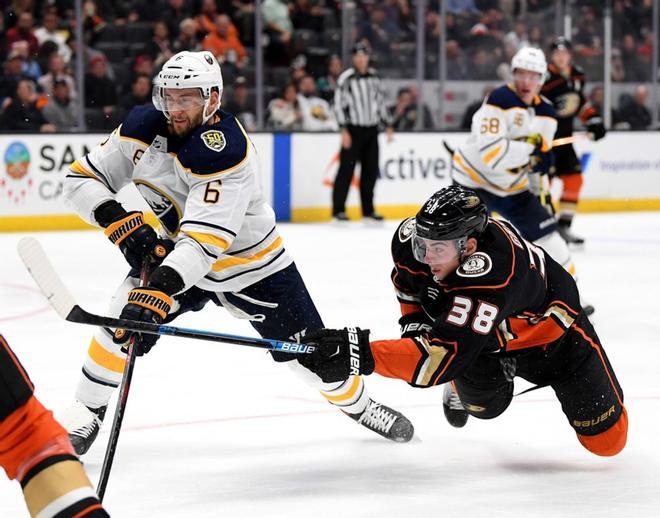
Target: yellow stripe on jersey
x,y
105,358
130,139
237,261
77,167
436,355
208,239
346,395
467,169
492,154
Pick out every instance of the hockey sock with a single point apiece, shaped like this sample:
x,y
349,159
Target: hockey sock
x,y
350,395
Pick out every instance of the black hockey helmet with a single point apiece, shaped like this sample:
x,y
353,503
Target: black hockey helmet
x,y
451,213
561,43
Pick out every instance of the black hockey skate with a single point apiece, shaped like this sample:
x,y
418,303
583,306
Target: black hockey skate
x,y
455,413
83,424
386,422
564,228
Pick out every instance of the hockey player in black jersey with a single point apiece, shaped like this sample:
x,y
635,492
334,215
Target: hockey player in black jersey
x,y
481,305
564,87
35,449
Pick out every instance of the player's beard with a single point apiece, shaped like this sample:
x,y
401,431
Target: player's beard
x,y
184,124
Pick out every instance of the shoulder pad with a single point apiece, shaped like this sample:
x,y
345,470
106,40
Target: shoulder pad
x,y
143,123
544,107
505,98
401,238
213,149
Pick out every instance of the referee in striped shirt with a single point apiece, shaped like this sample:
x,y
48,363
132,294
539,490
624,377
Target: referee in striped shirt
x,y
360,108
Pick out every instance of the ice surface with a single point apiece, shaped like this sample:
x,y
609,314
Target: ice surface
x,y
219,430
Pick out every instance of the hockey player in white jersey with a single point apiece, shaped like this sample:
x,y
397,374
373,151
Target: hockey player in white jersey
x,y
197,169
507,160
508,156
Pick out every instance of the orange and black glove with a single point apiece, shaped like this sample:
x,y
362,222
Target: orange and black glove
x,y
145,305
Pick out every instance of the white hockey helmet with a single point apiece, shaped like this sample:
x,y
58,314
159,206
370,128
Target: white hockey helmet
x,y
530,58
188,70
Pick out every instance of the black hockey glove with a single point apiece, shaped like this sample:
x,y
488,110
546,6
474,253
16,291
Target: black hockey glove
x,y
144,305
136,239
596,128
539,161
415,324
339,353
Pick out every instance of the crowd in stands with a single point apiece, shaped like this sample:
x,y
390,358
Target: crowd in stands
x,y
127,41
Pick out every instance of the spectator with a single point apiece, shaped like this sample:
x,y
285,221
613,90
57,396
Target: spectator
x,y
61,111
279,27
160,46
100,91
29,66
92,24
283,112
224,42
517,38
634,69
326,85
187,38
144,65
56,72
23,31
404,111
206,18
243,17
13,73
635,114
49,32
140,93
307,15
466,123
298,68
23,113
315,112
618,68
456,64
482,66
379,32
241,106
175,14
462,7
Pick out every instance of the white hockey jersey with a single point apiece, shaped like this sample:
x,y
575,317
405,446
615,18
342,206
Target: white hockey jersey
x,y
204,189
495,149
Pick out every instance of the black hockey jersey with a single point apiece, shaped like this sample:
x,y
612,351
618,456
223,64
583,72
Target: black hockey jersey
x,y
508,296
567,96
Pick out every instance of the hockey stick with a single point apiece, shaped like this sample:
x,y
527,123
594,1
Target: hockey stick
x,y
122,399
573,138
60,298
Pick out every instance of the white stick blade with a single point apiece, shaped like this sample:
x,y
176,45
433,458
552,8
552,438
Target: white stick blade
x,y
43,273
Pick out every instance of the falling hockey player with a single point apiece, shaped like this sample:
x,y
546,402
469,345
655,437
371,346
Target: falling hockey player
x,y
197,169
481,306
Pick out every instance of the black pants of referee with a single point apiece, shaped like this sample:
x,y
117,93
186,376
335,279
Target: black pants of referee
x,y
364,149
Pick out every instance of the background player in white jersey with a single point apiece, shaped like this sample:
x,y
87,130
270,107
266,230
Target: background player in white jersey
x,y
198,170
507,157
